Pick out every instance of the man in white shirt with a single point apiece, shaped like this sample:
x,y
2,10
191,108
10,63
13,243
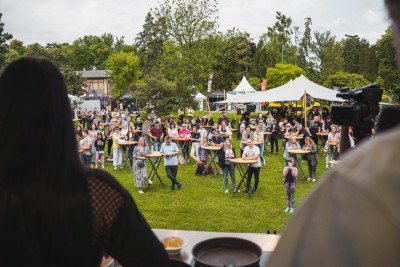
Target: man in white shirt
x,y
252,152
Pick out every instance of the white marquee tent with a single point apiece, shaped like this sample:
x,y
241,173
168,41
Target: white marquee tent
x,y
244,87
200,99
291,91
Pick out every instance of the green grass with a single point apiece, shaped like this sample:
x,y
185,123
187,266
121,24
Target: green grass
x,y
202,204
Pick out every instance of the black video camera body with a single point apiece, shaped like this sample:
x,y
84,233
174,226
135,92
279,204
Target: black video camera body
x,y
360,110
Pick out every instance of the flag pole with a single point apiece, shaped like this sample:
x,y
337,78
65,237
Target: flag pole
x,y
305,108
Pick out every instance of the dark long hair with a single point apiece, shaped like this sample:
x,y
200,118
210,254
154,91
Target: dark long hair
x,y
45,217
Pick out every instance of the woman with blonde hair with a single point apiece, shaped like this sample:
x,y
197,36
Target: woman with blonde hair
x,y
312,158
140,155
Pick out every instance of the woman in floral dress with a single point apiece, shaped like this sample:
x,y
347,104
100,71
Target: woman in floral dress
x,y
140,154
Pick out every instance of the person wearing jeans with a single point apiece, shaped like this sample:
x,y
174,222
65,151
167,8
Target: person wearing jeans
x,y
170,151
252,152
226,154
156,135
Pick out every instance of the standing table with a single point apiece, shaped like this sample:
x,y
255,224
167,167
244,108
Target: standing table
x,y
212,151
183,143
154,166
301,152
242,165
321,136
127,156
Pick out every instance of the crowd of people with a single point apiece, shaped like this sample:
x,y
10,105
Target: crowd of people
x,y
189,135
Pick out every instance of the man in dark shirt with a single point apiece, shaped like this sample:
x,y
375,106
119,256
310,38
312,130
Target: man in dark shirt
x,y
217,139
156,135
315,127
223,118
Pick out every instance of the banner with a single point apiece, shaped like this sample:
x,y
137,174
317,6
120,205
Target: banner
x,y
263,87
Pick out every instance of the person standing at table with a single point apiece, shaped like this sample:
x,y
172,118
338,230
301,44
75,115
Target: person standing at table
x,y
290,182
156,135
312,158
117,151
275,130
247,134
194,151
259,137
291,144
171,151
226,154
252,152
140,155
329,148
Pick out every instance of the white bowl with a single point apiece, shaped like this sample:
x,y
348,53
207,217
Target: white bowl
x,y
173,244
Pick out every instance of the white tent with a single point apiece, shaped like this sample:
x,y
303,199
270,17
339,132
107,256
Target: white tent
x,y
291,91
200,98
73,98
244,87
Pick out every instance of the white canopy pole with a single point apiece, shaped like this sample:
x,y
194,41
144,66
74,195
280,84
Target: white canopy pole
x,y
305,108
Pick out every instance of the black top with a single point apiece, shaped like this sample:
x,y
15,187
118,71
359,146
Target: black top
x,y
100,144
289,177
217,141
119,229
195,135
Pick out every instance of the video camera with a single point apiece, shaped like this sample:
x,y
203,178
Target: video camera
x,y
360,110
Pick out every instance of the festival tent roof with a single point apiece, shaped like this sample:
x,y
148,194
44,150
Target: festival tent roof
x,y
291,91
244,86
200,97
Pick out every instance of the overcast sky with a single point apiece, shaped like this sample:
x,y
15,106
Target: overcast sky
x,y
47,21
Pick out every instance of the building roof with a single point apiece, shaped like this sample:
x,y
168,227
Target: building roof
x,y
94,73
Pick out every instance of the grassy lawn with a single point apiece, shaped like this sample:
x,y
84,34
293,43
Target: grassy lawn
x,y
202,204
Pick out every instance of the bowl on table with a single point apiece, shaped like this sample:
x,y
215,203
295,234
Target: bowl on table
x,y
174,244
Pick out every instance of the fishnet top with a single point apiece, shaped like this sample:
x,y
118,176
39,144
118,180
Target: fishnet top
x,y
118,227
106,203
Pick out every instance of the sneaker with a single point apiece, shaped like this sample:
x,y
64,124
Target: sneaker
x,y
287,209
308,179
220,172
264,162
120,166
187,161
236,190
115,168
291,210
140,191
254,190
246,192
95,166
276,153
149,181
226,191
269,144
313,180
180,186
102,166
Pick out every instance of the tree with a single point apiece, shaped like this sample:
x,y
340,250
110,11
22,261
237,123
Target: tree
x,y
255,83
332,61
73,80
188,24
280,36
387,70
150,42
235,58
158,93
282,73
305,45
124,71
359,57
345,79
4,37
